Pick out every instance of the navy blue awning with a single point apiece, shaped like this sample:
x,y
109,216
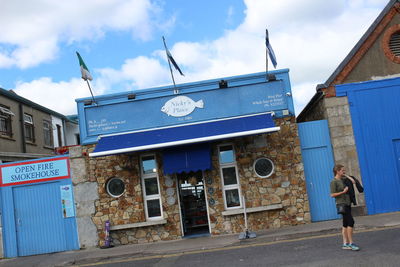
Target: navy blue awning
x,y
184,134
187,158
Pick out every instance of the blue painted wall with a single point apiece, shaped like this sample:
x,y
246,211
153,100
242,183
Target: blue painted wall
x,y
32,211
375,113
246,94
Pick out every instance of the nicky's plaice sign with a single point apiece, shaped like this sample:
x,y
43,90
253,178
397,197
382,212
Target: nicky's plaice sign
x,y
195,102
181,106
34,171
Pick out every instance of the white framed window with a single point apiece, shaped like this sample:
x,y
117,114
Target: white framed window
x,y
29,129
5,121
229,177
151,187
47,134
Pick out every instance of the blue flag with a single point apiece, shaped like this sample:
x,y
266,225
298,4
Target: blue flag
x,y
171,59
270,50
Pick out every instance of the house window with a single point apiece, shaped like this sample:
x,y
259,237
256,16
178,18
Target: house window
x,y
5,121
151,188
59,136
77,139
29,129
230,177
47,136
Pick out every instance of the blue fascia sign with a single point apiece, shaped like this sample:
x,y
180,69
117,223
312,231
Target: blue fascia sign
x,y
190,103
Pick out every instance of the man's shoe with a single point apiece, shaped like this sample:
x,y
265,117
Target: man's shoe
x,y
346,246
354,247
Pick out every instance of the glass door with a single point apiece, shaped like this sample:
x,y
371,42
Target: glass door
x,y
193,203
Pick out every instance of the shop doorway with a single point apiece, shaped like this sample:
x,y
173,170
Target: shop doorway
x,y
193,204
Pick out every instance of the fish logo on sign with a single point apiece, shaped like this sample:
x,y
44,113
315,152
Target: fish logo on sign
x,y
181,106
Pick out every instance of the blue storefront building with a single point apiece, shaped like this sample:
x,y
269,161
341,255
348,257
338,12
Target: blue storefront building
x,y
173,162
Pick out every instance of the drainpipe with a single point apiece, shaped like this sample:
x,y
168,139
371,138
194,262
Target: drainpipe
x,y
22,124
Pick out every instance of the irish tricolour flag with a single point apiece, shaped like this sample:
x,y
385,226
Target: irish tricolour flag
x,y
84,70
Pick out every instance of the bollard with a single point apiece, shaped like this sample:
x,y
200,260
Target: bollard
x,y
107,241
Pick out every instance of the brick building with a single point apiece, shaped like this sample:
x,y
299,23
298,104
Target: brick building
x,y
376,56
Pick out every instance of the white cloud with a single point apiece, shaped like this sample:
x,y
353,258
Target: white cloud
x,y
137,73
312,43
57,96
35,28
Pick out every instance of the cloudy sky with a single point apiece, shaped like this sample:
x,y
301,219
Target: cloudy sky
x,y
120,42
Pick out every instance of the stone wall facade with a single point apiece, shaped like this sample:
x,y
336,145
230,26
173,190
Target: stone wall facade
x,y
85,193
283,194
276,201
342,138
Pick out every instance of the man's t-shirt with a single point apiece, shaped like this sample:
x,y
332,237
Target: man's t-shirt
x,y
336,187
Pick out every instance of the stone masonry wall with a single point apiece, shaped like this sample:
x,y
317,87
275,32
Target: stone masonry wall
x,y
317,112
85,193
129,208
285,186
342,137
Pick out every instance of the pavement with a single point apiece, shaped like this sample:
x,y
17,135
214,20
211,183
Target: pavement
x,y
207,243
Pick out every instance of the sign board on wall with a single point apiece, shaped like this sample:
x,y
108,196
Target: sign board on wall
x,y
34,171
116,114
67,201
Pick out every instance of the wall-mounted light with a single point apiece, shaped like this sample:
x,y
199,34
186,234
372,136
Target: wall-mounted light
x,y
131,96
87,102
223,84
271,77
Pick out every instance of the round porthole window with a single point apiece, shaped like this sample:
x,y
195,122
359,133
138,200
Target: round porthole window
x,y
115,187
391,42
263,167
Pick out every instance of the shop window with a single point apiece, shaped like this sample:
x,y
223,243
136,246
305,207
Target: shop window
x,y
115,187
151,187
47,134
5,121
230,178
29,129
263,167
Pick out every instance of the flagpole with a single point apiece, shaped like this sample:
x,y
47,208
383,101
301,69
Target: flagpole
x,y
90,89
169,64
266,56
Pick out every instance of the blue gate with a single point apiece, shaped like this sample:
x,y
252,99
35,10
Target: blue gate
x,y
375,112
316,150
37,207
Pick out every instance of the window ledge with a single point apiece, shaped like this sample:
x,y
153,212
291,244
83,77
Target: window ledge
x,y
7,137
31,143
137,225
251,210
